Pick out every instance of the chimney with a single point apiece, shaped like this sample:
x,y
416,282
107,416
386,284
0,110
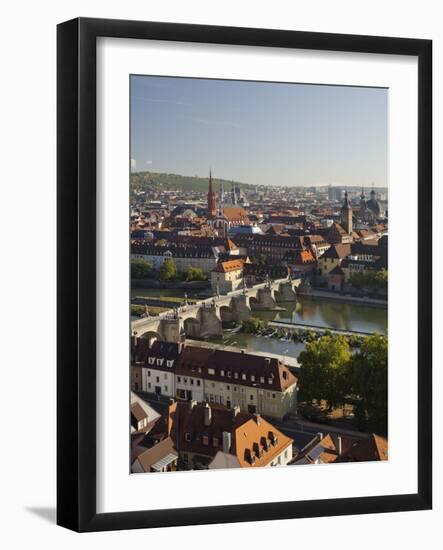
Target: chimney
x,y
235,410
171,400
193,403
207,415
320,435
257,418
339,445
267,362
226,442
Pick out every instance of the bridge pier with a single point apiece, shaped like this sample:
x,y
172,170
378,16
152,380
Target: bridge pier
x,y
265,300
210,322
241,310
171,330
286,292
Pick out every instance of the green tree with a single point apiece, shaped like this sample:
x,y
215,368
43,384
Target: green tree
x,y
323,368
141,269
368,382
195,274
168,270
372,280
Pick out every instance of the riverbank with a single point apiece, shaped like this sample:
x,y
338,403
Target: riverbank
x,y
169,285
344,298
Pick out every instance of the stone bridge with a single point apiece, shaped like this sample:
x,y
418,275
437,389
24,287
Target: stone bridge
x,y
204,319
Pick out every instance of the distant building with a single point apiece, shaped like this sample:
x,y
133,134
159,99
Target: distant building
x,y
184,256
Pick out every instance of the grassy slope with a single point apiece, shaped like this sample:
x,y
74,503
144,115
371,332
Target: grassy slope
x,y
142,180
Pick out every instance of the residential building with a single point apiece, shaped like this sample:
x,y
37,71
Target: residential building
x,y
227,276
207,435
252,382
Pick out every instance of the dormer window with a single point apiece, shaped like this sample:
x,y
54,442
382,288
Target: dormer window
x,y
211,371
159,361
252,378
151,360
235,374
205,440
169,362
243,376
262,379
187,437
222,373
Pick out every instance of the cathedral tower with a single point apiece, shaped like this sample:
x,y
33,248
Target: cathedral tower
x,y
212,201
346,216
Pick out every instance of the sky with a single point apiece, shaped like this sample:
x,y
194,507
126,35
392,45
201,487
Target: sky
x,y
260,132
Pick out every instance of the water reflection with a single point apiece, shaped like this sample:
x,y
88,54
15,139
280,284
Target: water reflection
x,y
309,311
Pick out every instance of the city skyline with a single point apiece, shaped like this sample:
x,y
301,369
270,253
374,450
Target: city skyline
x,y
260,133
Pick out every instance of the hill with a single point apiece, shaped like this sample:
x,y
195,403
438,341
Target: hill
x,y
141,180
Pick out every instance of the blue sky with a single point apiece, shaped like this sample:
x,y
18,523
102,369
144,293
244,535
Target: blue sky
x,y
260,133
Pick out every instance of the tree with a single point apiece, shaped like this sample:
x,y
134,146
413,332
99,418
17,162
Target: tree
x,y
195,274
372,280
140,269
368,382
322,372
168,270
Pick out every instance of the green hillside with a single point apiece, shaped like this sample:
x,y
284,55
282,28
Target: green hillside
x,y
141,180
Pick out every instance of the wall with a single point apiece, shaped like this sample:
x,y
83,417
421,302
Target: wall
x,y
28,195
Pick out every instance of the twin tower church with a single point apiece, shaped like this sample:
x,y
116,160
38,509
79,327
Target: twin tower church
x,y
225,211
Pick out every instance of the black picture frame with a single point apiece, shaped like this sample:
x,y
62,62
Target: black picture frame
x,y
76,294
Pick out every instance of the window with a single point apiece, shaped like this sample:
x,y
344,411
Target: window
x,y
228,387
198,382
187,436
149,385
251,397
273,396
185,380
157,379
165,376
205,440
192,381
166,388
213,385
235,388
149,373
179,379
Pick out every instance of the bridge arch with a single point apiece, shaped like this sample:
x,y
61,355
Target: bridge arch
x,y
151,336
226,313
191,327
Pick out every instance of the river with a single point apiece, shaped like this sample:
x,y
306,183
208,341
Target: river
x,y
307,311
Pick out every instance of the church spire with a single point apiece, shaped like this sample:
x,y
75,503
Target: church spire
x,y
212,206
346,215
